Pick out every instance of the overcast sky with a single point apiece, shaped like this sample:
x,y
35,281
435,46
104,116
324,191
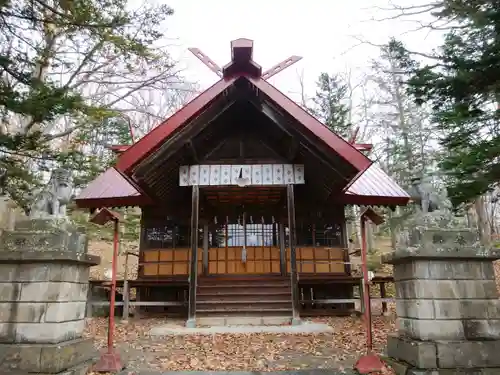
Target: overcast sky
x,y
321,31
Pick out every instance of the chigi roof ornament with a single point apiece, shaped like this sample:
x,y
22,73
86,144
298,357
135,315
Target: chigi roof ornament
x,y
242,61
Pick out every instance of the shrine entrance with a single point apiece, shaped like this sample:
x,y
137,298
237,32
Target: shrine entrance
x,y
244,237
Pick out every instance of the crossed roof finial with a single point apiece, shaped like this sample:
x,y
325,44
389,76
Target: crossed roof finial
x,y
242,61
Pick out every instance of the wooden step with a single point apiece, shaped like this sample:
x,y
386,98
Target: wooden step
x,y
255,297
244,296
245,283
246,290
234,305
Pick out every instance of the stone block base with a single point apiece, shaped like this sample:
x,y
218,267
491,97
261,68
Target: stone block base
x,y
81,369
445,357
401,368
66,358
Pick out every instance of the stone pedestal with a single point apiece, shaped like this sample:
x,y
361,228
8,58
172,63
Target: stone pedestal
x,y
44,272
447,306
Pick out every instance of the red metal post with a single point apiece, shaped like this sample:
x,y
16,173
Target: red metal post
x,y
110,361
370,362
111,328
366,285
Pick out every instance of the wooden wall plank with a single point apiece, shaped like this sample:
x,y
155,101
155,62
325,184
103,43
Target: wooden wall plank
x,y
260,260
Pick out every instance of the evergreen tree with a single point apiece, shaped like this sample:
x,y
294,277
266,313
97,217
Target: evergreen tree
x,y
64,66
462,85
329,103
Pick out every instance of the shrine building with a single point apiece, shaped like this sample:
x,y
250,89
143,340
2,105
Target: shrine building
x,y
243,197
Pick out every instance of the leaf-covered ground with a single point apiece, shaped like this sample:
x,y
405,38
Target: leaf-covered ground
x,y
254,352
257,352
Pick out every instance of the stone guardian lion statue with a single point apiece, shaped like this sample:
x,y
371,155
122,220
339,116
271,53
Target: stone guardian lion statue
x,y
51,201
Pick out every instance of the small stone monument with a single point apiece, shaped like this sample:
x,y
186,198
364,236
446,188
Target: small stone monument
x,y
446,299
44,272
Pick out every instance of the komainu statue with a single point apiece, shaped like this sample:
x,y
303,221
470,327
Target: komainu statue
x,y
51,201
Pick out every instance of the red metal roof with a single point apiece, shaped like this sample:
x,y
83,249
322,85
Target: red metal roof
x,y
345,149
110,189
139,150
114,188
374,187
242,59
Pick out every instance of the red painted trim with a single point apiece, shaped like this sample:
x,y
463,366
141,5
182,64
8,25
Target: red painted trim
x,y
346,150
134,184
138,151
137,200
368,200
363,146
119,148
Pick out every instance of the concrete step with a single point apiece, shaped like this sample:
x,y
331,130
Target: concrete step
x,y
241,320
245,311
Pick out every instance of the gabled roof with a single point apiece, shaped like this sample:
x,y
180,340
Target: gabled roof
x,y
241,66
135,153
117,187
373,187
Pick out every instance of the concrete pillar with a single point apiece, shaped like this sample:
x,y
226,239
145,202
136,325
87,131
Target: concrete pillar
x,y
44,274
448,311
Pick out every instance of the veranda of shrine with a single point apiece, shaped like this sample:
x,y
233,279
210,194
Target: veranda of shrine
x,y
243,195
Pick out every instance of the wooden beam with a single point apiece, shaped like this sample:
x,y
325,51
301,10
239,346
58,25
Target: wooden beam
x,y
193,151
293,149
267,110
216,148
206,60
193,274
280,66
278,157
293,254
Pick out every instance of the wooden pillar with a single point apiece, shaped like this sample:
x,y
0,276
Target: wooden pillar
x,y
193,272
205,249
293,255
281,229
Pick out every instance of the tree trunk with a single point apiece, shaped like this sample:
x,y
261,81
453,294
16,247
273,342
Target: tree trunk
x,y
482,221
393,231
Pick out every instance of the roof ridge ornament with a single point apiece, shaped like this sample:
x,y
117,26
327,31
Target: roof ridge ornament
x,y
242,61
